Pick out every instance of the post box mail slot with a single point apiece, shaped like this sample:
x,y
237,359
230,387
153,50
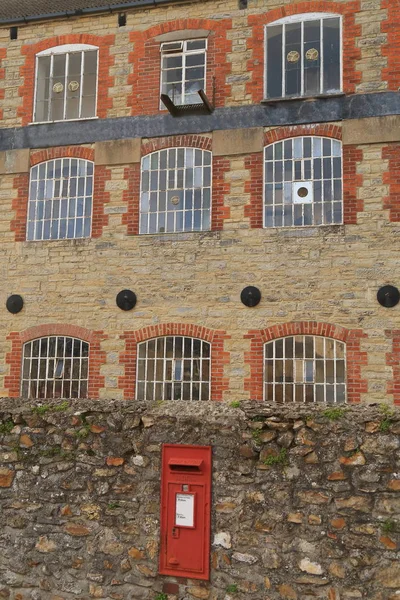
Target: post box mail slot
x,y
185,511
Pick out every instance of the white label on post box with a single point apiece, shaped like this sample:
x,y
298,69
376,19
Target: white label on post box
x,y
184,514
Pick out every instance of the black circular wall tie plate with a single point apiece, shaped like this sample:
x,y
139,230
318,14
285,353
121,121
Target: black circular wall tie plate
x,y
250,296
388,296
14,303
126,300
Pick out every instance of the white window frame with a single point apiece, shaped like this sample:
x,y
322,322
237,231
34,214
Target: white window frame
x,y
184,53
303,181
301,19
66,49
58,365
313,359
168,189
59,198
174,366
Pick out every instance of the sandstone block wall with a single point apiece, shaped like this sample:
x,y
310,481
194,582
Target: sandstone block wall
x,y
305,502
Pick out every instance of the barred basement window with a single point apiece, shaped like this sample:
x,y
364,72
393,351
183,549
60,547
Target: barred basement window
x,y
303,182
303,56
66,83
173,368
175,191
55,367
183,70
305,368
60,199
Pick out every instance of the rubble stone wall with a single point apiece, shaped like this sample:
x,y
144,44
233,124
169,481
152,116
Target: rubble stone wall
x,y
305,500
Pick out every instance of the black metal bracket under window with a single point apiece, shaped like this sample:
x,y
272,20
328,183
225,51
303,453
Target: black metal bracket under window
x,y
205,107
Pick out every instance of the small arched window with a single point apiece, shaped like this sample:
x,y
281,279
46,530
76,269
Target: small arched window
x,y
173,368
55,367
60,199
303,182
303,56
66,83
175,191
305,369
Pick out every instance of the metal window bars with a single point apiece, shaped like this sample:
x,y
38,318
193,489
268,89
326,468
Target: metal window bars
x,y
173,368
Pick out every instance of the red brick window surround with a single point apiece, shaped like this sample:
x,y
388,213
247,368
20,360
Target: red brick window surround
x,y
100,196
392,179
393,361
28,70
351,156
146,60
350,31
132,175
97,357
219,356
3,54
355,358
391,50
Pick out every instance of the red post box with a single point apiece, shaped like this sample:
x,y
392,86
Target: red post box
x,y
185,511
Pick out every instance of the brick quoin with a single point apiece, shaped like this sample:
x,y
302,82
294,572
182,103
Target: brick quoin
x,y
97,357
27,70
393,361
146,60
391,50
100,196
3,54
132,175
256,43
392,179
254,163
351,337
219,357
351,179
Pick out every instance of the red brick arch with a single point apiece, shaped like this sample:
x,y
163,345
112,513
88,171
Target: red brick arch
x,y
176,141
100,196
97,357
61,151
145,58
219,357
351,337
282,133
27,70
255,65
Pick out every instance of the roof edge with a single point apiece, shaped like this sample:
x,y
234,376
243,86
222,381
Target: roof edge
x,y
86,11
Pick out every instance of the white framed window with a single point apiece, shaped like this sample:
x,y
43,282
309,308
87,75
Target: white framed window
x,y
173,368
303,182
303,56
305,369
60,199
175,191
183,70
66,83
55,367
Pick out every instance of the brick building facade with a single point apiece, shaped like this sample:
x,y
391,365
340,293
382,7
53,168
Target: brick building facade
x,y
315,229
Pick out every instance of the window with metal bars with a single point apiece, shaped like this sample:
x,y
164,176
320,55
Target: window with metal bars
x,y
303,56
303,182
305,369
183,70
173,368
60,199
66,83
175,191
55,367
